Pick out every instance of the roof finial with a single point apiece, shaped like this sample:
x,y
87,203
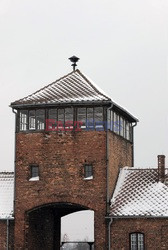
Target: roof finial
x,y
74,60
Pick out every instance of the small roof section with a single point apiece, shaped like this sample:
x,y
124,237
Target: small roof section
x,y
139,193
74,88
6,195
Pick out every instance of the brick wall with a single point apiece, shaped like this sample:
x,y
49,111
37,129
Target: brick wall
x,y
61,158
120,155
155,233
3,234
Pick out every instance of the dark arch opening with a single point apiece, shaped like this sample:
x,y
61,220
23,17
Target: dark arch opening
x,y
43,225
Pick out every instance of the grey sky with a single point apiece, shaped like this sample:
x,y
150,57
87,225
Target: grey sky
x,y
123,48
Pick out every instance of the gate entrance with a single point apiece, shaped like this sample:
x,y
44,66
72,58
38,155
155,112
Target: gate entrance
x,y
43,227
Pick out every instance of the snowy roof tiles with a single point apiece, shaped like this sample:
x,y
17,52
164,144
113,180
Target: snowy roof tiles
x,y
138,193
6,194
72,88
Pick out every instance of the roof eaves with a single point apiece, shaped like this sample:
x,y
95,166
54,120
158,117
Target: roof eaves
x,y
134,119
21,106
7,218
137,216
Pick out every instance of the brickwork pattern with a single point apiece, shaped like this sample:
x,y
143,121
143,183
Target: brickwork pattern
x,y
61,158
3,234
155,233
120,155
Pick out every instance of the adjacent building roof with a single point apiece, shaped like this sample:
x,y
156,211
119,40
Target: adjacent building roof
x,y
6,194
139,193
74,88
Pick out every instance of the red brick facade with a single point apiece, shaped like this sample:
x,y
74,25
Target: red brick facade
x,y
61,158
155,233
120,155
3,234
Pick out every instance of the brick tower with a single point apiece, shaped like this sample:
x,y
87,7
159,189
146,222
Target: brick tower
x,y
71,138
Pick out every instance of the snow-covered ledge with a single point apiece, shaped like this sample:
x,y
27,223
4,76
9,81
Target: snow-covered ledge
x,y
34,178
89,178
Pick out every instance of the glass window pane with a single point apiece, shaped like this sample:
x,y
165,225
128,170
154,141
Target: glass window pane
x,y
140,242
133,242
90,114
116,123
34,171
32,121
81,117
51,123
124,127
112,121
60,119
130,132
69,114
88,171
127,131
69,118
52,114
121,126
90,122
23,120
137,241
40,118
108,119
98,118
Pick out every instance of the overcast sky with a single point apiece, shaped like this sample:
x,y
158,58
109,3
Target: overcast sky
x,y
123,48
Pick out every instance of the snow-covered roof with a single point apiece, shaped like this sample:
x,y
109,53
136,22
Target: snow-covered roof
x,y
6,194
74,88
139,193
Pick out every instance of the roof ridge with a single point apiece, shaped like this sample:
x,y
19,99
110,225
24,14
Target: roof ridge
x,y
92,84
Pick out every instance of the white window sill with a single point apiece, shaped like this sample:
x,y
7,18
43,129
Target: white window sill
x,y
34,178
89,178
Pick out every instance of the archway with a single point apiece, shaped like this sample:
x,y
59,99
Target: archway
x,y
43,225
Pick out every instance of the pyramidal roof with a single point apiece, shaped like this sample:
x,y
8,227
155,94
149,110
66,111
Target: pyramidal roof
x,y
72,88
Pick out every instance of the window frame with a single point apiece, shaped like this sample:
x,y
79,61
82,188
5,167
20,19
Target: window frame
x,y
33,175
23,121
28,120
86,171
120,125
91,123
137,242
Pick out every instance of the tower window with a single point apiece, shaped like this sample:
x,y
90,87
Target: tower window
x,y
88,172
32,120
40,118
34,172
23,120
